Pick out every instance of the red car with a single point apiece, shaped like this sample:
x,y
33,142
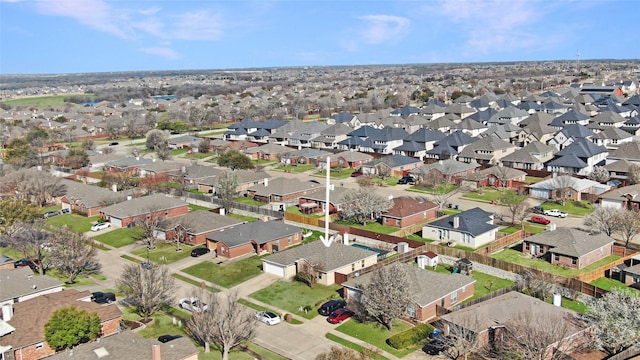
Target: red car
x,y
540,220
340,315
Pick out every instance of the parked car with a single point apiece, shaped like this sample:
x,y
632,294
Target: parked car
x,y
357,173
556,213
407,179
199,251
103,297
537,210
65,210
113,143
193,304
330,306
166,338
539,219
100,226
49,214
340,315
27,262
268,317
435,346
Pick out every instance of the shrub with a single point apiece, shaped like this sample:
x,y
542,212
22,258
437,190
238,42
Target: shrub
x,y
409,337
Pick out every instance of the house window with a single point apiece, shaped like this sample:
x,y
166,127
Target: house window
x,y
398,222
353,267
290,238
39,346
556,257
222,250
319,275
411,311
166,213
454,297
526,246
466,238
574,261
362,263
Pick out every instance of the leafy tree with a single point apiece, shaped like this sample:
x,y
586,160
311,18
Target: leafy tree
x,y
227,323
76,158
147,289
178,127
69,327
226,189
155,138
363,205
628,224
516,205
615,320
599,174
14,211
73,255
234,160
386,296
603,219
20,153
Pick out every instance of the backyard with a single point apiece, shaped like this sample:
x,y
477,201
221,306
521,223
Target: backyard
x,y
227,275
296,298
517,257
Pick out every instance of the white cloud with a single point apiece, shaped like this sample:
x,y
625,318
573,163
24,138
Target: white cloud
x,y
162,52
199,25
383,28
96,14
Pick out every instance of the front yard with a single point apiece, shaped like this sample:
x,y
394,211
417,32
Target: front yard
x,y
377,335
484,195
227,275
336,173
295,297
164,253
73,222
120,237
517,257
295,168
579,208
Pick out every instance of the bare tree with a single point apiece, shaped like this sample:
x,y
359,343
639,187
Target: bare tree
x,y
386,295
599,174
562,185
227,323
226,189
343,353
204,145
112,129
628,224
440,183
537,283
153,221
32,241
183,232
603,219
148,289
462,339
307,272
366,181
615,320
33,185
633,174
516,205
155,138
163,152
73,255
363,205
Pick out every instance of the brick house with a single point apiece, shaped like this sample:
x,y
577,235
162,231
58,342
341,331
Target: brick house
x,y
392,165
449,170
495,176
569,247
316,202
124,214
350,159
246,179
194,227
89,199
29,317
429,289
258,237
407,211
128,165
282,190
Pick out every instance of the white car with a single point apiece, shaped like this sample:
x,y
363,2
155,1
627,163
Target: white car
x,y
556,213
268,317
192,304
100,226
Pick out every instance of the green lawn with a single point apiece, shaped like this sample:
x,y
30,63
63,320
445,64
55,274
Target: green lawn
x,y
608,284
120,237
372,226
178,152
243,217
352,346
12,253
77,223
484,194
579,208
248,201
164,253
440,189
162,324
486,284
336,173
518,257
294,296
193,282
194,207
79,281
264,162
131,258
296,168
377,335
227,275
574,305
528,226
532,179
44,101
419,238
296,210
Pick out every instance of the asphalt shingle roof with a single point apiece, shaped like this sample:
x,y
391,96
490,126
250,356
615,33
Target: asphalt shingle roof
x,y
473,221
329,258
259,231
571,242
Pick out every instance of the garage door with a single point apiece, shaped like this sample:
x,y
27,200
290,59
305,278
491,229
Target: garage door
x,y
116,222
273,269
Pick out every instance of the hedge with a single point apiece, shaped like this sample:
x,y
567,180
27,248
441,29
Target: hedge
x,y
409,337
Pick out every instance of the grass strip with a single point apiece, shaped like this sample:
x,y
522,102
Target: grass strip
x,y
352,345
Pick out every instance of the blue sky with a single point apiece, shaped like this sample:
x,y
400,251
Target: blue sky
x,y
70,36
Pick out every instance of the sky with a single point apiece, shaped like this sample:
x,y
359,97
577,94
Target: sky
x,y
76,36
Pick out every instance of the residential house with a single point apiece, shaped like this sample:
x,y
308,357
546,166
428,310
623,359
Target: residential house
x,y
489,319
429,289
282,135
344,118
128,165
631,276
258,237
28,318
569,134
392,165
488,150
384,141
407,211
531,157
450,146
20,284
89,199
472,228
159,169
194,227
573,188
332,263
447,170
606,119
357,137
578,158
569,247
303,136
183,142
618,170
317,201
510,114
570,117
626,197
282,190
269,151
459,109
125,214
536,128
471,127
495,176
331,136
350,159
246,179
306,156
130,345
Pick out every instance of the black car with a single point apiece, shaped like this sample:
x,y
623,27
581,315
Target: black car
x,y
26,262
103,297
166,338
537,210
407,179
330,306
199,251
113,143
435,346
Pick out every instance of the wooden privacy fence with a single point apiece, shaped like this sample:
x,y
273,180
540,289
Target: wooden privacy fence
x,y
503,242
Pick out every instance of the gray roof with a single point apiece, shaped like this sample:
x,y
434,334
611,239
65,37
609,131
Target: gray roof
x,y
473,221
129,345
394,161
446,167
329,258
22,281
129,162
352,156
258,231
619,193
142,205
497,171
201,221
90,195
426,286
629,150
283,186
571,242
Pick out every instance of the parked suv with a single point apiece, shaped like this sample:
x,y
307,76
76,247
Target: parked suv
x,y
407,179
103,297
537,210
330,306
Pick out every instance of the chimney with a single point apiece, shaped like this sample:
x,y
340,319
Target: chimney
x,y
266,182
7,312
183,170
137,158
223,211
456,222
129,197
390,196
345,238
114,187
155,352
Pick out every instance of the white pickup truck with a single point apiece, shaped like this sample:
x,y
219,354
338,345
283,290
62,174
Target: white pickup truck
x,y
556,213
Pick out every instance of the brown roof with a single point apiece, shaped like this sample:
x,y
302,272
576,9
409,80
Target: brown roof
x,y
29,317
406,206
